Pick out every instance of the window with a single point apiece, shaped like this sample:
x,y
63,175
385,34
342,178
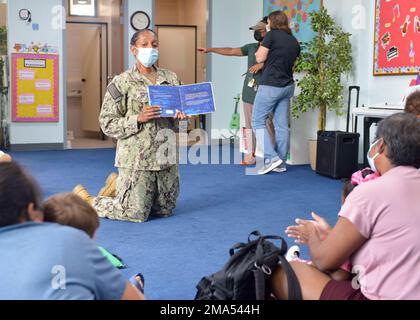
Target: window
x,y
82,8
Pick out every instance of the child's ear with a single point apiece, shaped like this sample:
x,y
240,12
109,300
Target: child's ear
x,y
35,215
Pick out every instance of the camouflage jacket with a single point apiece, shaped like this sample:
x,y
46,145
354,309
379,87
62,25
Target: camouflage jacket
x,y
126,96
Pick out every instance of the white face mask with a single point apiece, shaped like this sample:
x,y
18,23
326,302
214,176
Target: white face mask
x,y
147,56
371,160
267,28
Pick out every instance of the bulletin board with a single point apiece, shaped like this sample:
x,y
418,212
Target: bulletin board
x,y
298,13
34,87
397,37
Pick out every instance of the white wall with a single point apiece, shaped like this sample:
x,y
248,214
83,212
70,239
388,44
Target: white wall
x,y
229,22
358,18
373,89
53,133
229,27
21,32
131,6
379,89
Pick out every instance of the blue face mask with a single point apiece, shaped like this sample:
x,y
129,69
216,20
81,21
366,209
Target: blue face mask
x,y
147,56
371,160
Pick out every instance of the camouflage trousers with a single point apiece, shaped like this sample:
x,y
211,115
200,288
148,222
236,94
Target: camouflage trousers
x,y
141,194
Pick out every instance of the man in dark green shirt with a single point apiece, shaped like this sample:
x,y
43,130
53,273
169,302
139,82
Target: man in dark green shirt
x,y
251,82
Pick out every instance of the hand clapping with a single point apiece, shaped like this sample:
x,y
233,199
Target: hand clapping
x,y
305,229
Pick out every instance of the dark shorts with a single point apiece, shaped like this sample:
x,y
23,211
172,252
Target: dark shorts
x,y
341,290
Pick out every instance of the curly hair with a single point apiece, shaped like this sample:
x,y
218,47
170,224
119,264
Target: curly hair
x,y
412,104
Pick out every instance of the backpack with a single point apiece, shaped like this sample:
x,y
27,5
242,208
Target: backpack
x,y
247,274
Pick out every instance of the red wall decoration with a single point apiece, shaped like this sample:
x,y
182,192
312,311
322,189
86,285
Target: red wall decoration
x,y
397,37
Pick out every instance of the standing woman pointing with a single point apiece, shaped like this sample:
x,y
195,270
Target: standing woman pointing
x,y
279,51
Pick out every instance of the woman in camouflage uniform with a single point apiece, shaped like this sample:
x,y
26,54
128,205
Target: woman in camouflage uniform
x,y
145,185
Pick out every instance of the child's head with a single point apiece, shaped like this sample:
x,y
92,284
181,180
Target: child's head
x,y
20,196
412,104
70,210
348,187
357,178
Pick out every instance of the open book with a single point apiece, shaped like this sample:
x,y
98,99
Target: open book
x,y
192,99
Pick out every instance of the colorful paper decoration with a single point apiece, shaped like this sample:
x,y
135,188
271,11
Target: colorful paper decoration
x,y
397,37
35,87
298,13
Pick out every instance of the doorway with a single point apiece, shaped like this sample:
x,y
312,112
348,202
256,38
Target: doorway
x,y
94,53
181,26
86,73
182,61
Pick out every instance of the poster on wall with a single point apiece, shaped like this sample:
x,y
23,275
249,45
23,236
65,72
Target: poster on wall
x,y
298,13
34,87
397,37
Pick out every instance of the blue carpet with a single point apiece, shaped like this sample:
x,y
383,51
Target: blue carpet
x,y
219,205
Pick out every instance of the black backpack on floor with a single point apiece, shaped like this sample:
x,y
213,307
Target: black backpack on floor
x,y
247,274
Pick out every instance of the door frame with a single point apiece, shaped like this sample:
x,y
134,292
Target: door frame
x,y
157,26
103,77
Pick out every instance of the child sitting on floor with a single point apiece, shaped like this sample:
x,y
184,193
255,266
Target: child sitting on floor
x,y
70,210
359,177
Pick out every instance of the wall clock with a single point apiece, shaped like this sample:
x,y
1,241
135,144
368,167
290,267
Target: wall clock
x,y
140,20
25,15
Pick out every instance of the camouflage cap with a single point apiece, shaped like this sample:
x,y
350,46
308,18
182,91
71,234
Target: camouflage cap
x,y
259,26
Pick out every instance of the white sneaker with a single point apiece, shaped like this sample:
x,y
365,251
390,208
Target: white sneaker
x,y
270,166
293,253
280,169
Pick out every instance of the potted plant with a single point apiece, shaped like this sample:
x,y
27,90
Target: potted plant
x,y
3,41
3,86
324,60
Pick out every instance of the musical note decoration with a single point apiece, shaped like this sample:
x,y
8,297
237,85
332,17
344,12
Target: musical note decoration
x,y
397,37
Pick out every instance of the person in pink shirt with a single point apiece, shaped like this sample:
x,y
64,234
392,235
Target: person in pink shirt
x,y
377,229
344,272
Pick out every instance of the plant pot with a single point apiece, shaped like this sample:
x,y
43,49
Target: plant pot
x,y
312,153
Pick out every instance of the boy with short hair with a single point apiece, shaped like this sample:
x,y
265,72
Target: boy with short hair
x,y
71,210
